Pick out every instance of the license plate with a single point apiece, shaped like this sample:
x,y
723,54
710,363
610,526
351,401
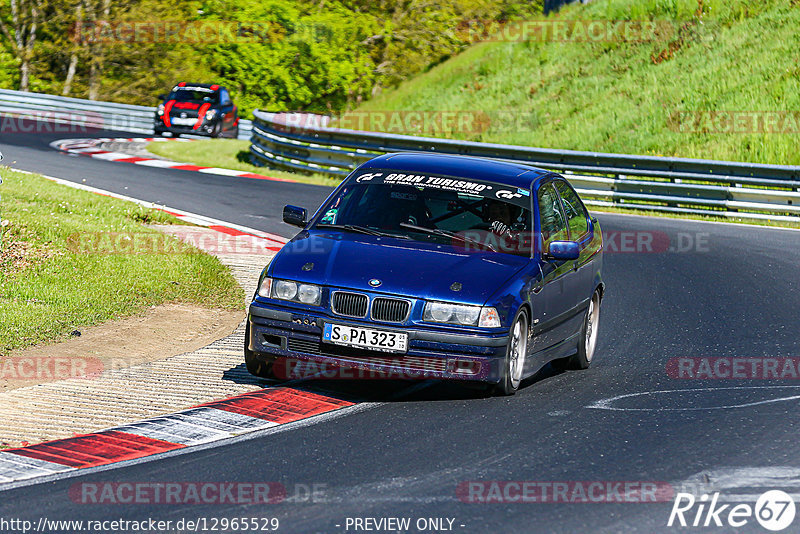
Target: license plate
x,y
178,121
367,338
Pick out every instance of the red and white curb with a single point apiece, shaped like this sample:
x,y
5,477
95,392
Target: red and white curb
x,y
91,148
207,423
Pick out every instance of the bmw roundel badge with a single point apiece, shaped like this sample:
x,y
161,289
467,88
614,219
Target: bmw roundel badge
x,y
375,282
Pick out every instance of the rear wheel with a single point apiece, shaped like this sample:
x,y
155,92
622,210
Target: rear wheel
x,y
588,338
255,366
515,355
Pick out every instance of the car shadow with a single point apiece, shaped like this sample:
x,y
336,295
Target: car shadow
x,y
389,390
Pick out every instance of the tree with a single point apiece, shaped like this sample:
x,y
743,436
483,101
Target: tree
x,y
25,18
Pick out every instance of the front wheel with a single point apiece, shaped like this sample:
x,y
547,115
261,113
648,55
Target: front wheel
x,y
515,355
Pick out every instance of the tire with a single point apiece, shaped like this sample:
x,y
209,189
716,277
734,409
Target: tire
x,y
235,133
515,355
588,338
216,130
255,366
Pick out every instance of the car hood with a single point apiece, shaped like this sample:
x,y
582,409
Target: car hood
x,y
408,268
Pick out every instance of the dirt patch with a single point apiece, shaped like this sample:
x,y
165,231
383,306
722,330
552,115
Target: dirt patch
x,y
158,333
17,254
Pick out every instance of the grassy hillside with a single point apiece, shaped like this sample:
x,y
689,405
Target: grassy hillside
x,y
730,55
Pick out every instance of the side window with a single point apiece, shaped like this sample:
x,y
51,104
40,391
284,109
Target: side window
x,y
577,218
553,225
225,97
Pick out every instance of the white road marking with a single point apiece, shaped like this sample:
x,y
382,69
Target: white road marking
x,y
607,404
164,164
221,171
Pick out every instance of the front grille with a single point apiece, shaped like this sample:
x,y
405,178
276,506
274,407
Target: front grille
x,y
350,304
391,310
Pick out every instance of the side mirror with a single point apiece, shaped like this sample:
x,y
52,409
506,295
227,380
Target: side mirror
x,y
563,250
294,216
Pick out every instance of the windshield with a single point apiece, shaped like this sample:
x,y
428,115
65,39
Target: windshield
x,y
426,212
189,95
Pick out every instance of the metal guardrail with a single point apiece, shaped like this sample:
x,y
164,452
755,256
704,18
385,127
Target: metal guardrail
x,y
82,115
680,185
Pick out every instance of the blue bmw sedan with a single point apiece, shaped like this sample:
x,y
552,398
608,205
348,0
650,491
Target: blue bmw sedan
x,y
434,266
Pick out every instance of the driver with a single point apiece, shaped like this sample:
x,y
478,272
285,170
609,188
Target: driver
x,y
507,223
501,218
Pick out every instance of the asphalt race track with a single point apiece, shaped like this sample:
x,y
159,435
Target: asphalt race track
x,y
722,291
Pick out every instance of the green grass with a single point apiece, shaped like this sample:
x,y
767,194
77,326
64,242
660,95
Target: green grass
x,y
613,97
229,154
48,289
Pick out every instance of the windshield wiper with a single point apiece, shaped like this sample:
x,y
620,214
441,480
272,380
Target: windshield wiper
x,y
448,233
363,230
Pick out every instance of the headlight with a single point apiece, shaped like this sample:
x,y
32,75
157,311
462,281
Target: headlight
x,y
288,290
160,109
308,294
284,290
439,312
443,312
210,114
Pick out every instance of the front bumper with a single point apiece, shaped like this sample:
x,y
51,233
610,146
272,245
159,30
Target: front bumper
x,y
297,335
206,128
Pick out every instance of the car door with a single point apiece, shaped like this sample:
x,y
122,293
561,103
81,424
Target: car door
x,y
578,286
558,276
228,110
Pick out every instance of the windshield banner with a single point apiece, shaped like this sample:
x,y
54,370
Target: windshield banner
x,y
512,195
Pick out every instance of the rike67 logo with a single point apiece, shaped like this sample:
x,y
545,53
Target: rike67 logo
x,y
773,510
